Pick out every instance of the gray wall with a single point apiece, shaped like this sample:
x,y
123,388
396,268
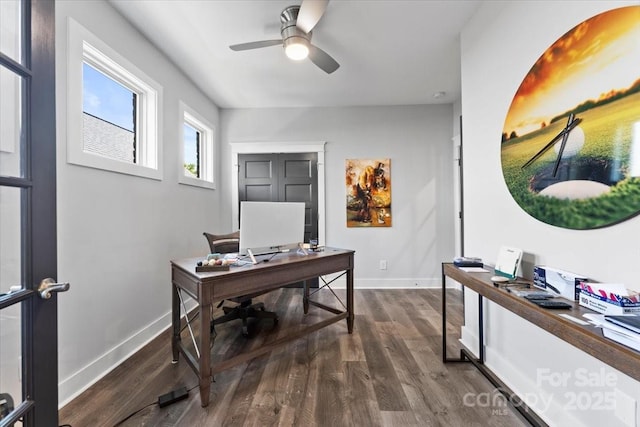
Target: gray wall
x,y
499,46
117,233
417,139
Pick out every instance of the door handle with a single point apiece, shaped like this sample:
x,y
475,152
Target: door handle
x,y
6,405
48,285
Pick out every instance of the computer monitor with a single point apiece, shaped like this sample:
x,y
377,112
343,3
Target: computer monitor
x,y
268,227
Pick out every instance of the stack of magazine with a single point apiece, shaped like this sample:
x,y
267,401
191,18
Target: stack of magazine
x,y
464,261
624,329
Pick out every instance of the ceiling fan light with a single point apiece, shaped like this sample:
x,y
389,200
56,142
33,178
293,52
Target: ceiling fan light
x,y
296,48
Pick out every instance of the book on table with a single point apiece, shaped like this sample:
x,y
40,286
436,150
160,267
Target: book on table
x,y
630,321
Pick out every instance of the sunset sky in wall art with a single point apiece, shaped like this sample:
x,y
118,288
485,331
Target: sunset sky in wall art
x,y
598,56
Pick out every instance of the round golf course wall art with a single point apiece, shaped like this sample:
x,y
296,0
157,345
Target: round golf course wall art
x,y
571,139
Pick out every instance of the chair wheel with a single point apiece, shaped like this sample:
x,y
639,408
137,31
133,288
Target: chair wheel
x,y
245,332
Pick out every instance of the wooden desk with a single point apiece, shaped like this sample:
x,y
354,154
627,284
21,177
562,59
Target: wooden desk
x,y
283,269
587,338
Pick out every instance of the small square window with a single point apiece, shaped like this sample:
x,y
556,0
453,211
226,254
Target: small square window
x,y
113,109
196,162
192,149
109,116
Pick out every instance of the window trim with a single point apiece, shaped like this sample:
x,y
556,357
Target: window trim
x,y
84,46
207,148
198,141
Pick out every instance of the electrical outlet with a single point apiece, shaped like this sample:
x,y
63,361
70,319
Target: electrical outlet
x,y
383,264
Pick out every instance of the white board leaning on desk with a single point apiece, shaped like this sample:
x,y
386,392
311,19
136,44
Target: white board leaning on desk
x,y
508,262
268,227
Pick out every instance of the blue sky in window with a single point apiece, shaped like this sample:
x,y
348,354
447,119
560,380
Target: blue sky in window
x,y
190,147
105,98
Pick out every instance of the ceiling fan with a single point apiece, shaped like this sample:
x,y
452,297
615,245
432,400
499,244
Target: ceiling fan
x,y
297,23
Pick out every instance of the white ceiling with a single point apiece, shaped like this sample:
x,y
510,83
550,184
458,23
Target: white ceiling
x,y
391,52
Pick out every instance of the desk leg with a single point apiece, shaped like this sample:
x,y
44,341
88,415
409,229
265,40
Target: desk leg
x,y
350,316
466,356
445,359
444,317
305,296
205,345
175,322
480,330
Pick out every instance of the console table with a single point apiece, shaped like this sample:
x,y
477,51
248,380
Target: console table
x,y
281,270
585,337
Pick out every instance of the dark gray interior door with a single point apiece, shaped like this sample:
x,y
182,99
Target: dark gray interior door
x,y
282,177
28,322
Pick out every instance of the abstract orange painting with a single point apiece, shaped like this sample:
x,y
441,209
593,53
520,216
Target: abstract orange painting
x,y
368,192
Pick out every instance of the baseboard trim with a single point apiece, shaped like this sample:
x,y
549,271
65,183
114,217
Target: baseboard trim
x,y
75,384
420,283
469,338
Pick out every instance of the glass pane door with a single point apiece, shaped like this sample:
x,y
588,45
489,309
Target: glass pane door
x,y
28,323
12,29
10,317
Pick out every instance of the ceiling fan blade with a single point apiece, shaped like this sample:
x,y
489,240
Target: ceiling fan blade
x,y
322,59
310,13
255,45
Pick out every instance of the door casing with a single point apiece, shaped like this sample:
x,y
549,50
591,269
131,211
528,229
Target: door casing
x,y
238,148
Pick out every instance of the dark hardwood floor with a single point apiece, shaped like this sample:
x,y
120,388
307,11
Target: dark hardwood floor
x,y
387,373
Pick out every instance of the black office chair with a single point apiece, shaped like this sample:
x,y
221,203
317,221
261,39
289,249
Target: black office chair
x,y
229,243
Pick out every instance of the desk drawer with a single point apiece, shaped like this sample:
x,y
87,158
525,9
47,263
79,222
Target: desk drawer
x,y
185,281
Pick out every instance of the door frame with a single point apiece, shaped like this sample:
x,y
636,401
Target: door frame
x,y
38,403
457,196
459,189
279,147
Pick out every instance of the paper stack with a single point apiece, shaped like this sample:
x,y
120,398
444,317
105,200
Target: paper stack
x,y
615,332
